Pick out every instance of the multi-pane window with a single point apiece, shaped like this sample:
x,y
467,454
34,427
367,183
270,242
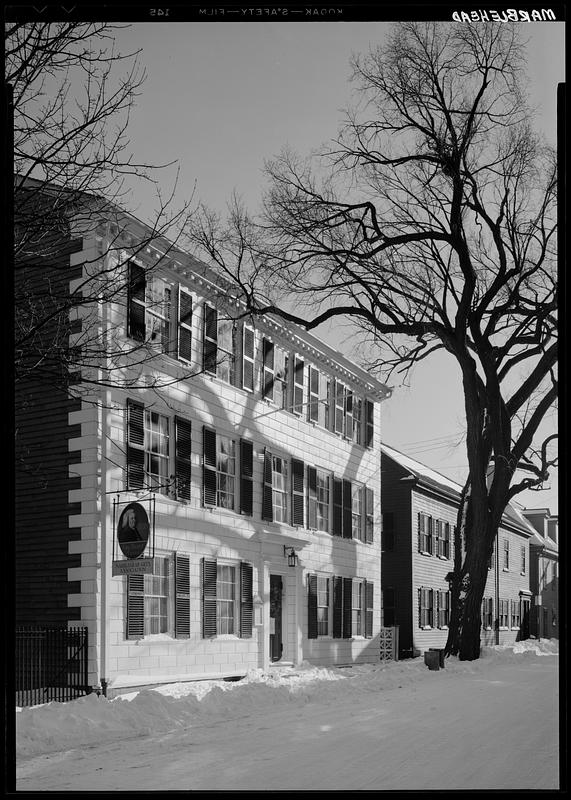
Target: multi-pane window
x,y
159,602
503,613
318,494
426,607
506,544
515,614
156,449
313,404
156,597
218,345
523,560
443,539
357,609
339,413
487,612
322,606
357,511
149,308
279,489
248,359
225,471
298,372
357,435
226,599
424,533
443,609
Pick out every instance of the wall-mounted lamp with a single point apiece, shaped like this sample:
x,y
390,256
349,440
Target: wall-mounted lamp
x,y
291,556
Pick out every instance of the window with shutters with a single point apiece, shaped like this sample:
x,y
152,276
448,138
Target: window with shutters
x,y
281,379
218,344
218,470
184,325
425,608
388,531
322,500
149,453
159,602
503,613
279,489
357,434
425,534
227,598
487,613
522,571
506,548
339,411
357,527
149,308
389,607
515,614
443,541
443,606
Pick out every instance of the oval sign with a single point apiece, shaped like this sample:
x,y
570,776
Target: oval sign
x,y
133,530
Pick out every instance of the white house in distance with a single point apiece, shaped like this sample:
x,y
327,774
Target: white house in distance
x,y
224,496
544,558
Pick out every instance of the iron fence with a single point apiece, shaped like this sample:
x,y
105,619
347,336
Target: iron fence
x,y
51,664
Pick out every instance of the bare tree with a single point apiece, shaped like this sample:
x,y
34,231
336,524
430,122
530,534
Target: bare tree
x,y
431,224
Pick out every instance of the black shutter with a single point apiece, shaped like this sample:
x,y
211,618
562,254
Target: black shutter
x,y
298,369
369,423
368,610
267,506
347,509
312,606
136,310
268,369
135,445
246,477
248,359
246,600
183,451
209,571
337,506
420,522
337,607
420,608
184,349
311,497
208,467
210,339
347,606
182,596
297,468
135,606
369,515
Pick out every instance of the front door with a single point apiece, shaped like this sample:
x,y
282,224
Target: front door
x,y
276,643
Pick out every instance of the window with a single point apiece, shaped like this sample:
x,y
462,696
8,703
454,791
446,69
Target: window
x,y
515,614
369,423
388,531
443,539
425,608
267,369
389,607
159,602
338,419
227,598
313,392
275,488
523,560
357,609
443,609
318,499
246,477
424,533
322,606
148,462
218,470
184,327
357,511
298,370
218,354
506,554
248,359
149,308
503,612
357,435
348,415
352,604
487,613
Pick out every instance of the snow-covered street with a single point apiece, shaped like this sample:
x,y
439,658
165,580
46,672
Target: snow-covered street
x,y
489,724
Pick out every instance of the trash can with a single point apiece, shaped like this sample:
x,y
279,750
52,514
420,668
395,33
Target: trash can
x,y
440,652
432,659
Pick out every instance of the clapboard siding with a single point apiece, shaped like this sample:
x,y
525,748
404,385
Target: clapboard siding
x,y
42,483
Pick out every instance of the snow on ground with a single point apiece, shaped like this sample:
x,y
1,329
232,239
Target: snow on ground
x,y
87,721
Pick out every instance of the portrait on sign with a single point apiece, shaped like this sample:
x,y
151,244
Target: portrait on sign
x,y
133,530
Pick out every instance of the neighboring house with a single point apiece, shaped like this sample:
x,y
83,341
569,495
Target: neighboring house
x,y
544,558
206,512
419,512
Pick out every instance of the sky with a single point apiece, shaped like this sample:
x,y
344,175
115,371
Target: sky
x,y
220,98
310,728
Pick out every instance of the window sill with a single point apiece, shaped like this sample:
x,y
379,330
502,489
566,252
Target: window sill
x,y
486,627
443,627
444,558
426,627
425,553
522,573
505,569
504,628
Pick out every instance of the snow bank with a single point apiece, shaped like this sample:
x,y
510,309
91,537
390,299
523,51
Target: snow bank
x,y
60,726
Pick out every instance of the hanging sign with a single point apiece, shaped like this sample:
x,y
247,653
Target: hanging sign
x,y
133,566
133,531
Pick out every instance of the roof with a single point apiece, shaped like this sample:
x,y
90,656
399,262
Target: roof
x,y
432,479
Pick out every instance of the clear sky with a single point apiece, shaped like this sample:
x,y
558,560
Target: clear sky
x,y
222,97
